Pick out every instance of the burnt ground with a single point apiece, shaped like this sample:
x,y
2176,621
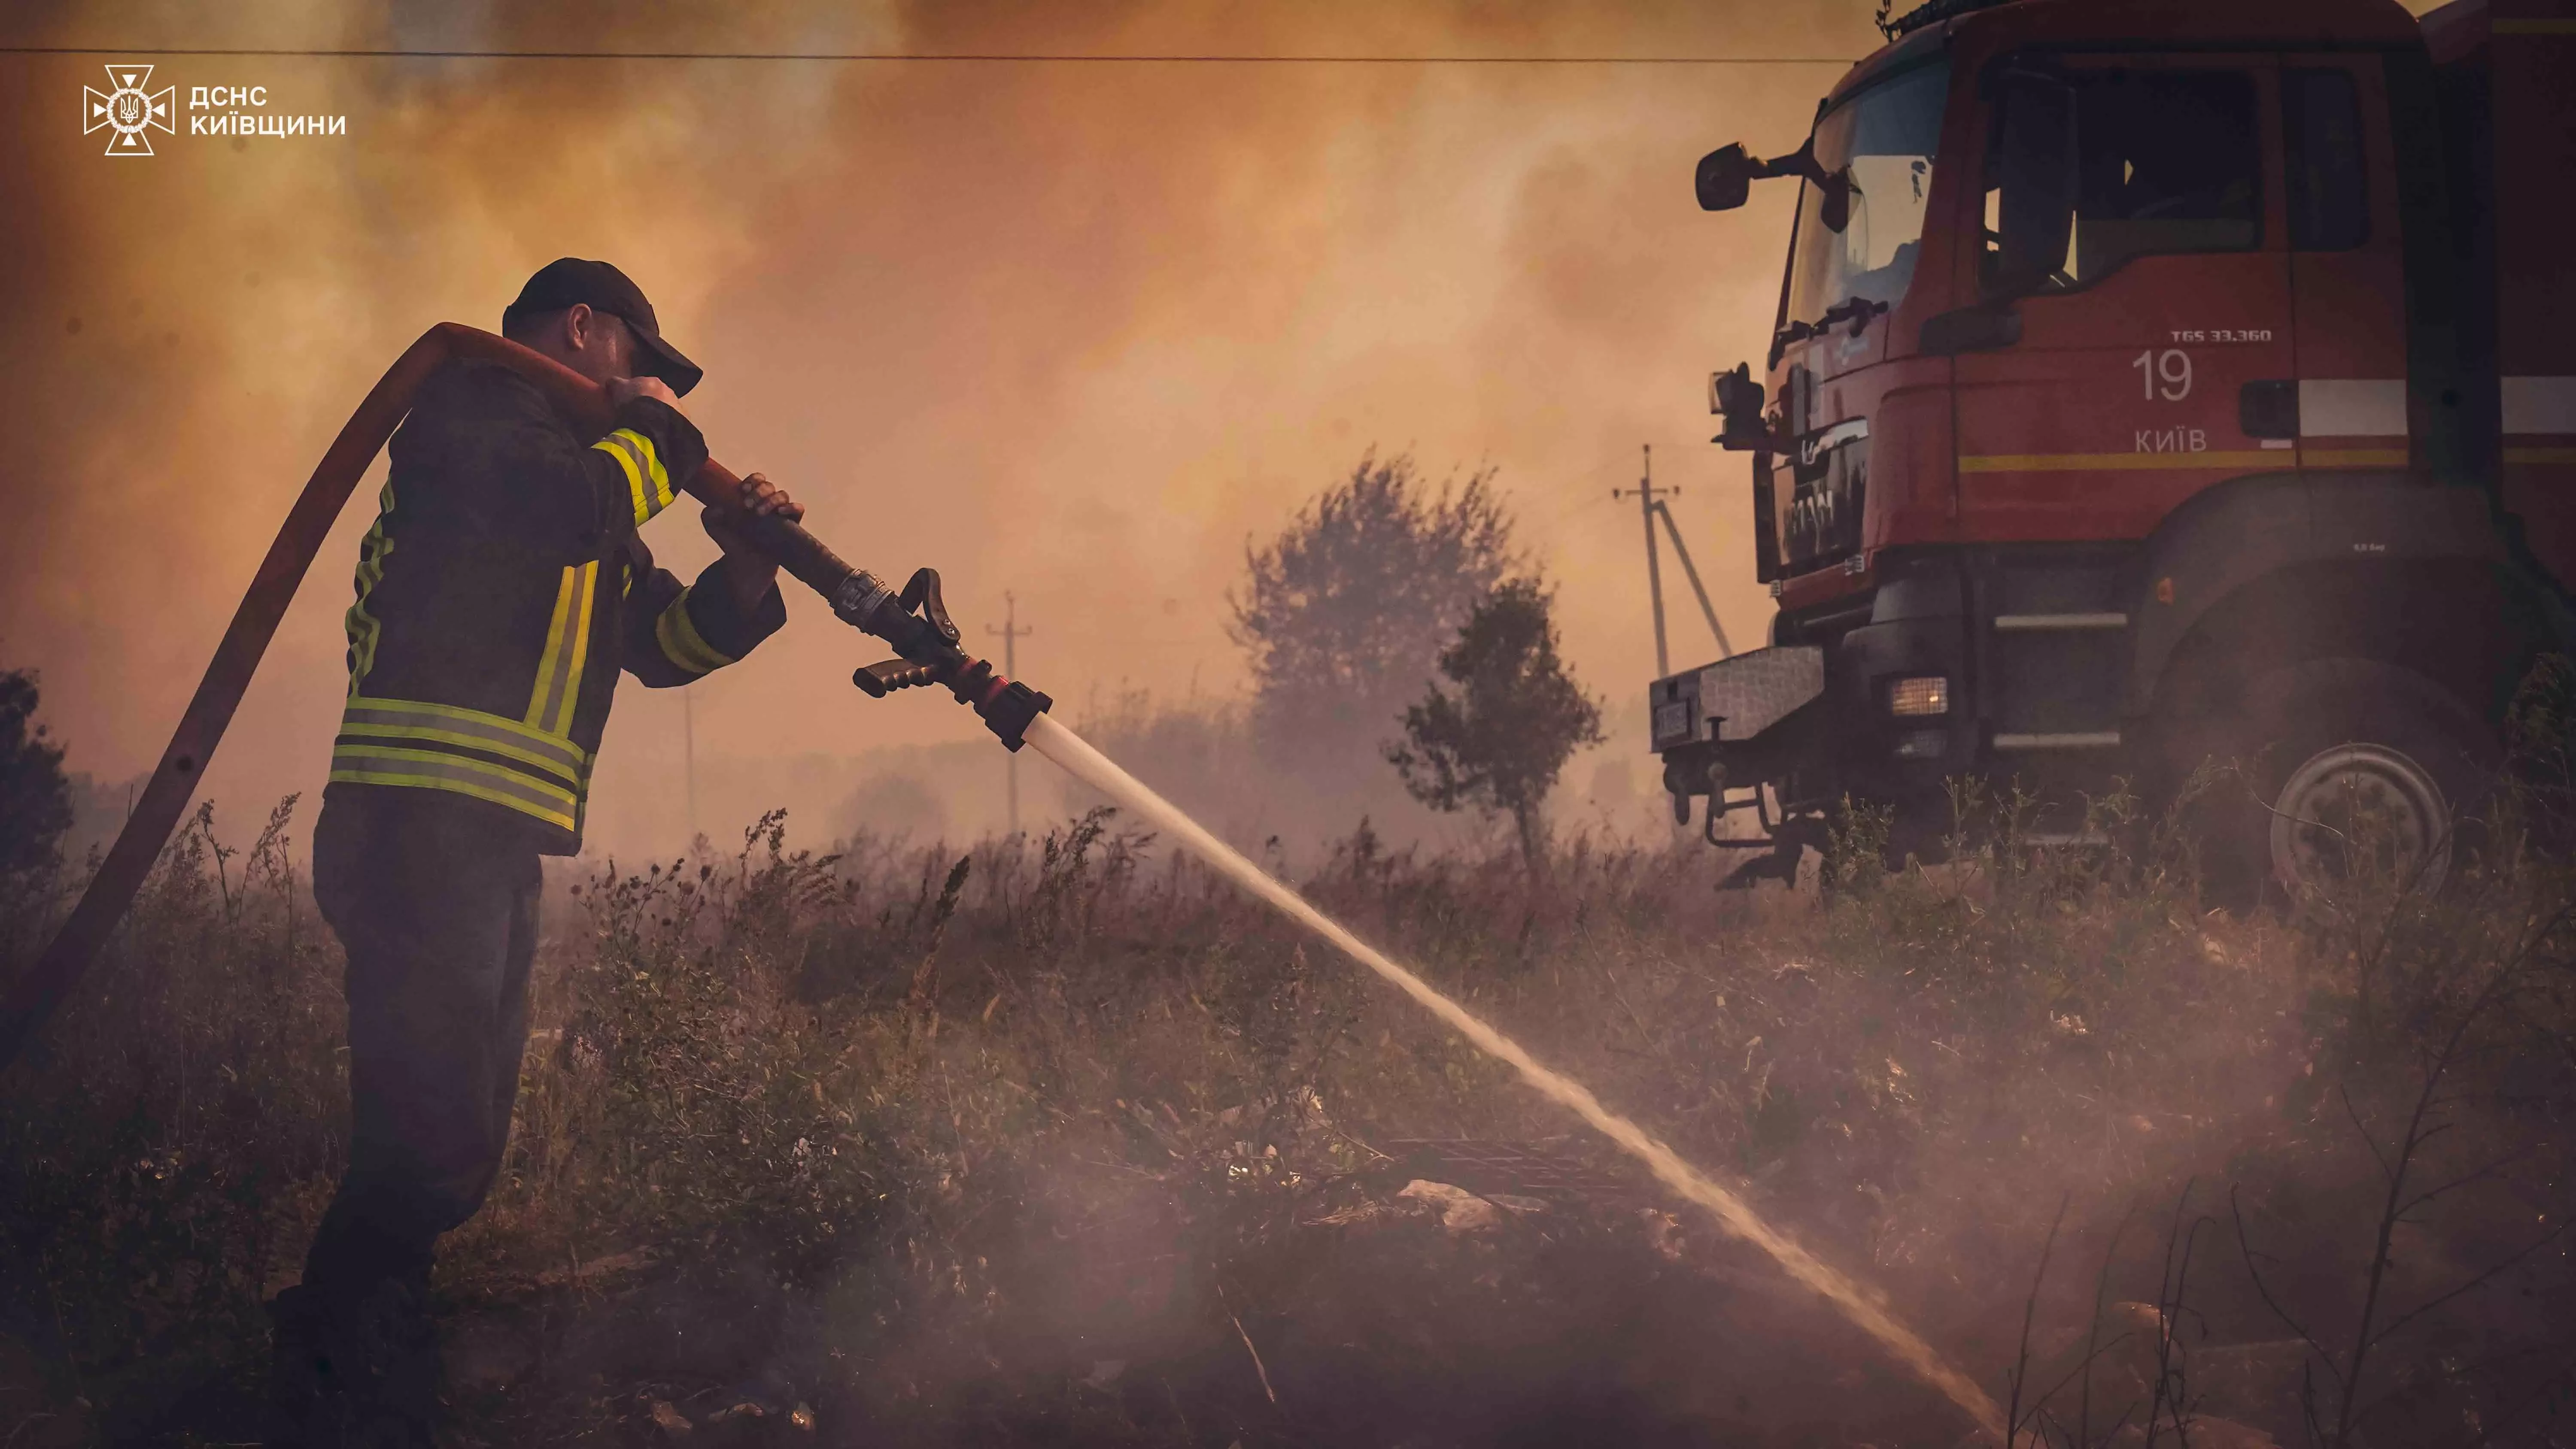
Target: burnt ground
x,y
1395,1311
1081,1148
1543,1298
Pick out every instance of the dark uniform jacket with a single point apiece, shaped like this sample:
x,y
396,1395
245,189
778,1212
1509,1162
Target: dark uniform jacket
x,y
503,588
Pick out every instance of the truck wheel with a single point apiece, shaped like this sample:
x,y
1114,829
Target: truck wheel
x,y
2330,745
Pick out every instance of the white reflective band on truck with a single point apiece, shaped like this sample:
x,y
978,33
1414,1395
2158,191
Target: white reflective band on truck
x,y
2540,404
2352,407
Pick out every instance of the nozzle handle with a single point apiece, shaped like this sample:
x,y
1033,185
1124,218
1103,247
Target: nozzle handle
x,y
876,681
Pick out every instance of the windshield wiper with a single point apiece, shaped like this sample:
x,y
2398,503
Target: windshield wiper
x,y
1856,310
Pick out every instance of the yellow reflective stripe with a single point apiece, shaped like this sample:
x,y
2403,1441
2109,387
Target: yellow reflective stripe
x,y
558,685
545,789
2352,457
482,778
2116,462
540,700
567,821
381,711
681,643
580,651
646,479
634,477
571,774
2270,458
653,468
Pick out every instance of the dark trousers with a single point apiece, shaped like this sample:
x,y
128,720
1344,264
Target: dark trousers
x,y
434,897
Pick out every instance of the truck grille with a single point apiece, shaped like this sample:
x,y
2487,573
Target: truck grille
x,y
1815,500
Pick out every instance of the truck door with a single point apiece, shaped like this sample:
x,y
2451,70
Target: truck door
x,y
2121,397
2346,404
2528,136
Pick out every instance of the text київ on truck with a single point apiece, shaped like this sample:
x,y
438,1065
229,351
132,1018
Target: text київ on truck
x,y
2156,381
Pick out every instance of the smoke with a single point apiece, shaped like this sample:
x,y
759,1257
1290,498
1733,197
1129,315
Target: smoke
x,y
1075,330
1740,1220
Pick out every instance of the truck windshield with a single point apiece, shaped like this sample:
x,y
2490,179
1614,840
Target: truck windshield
x,y
1883,140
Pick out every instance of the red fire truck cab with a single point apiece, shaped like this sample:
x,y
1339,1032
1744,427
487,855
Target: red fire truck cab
x,y
2156,380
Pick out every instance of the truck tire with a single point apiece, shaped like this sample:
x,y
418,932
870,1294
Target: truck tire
x,y
2318,740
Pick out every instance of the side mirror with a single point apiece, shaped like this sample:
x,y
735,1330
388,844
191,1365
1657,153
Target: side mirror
x,y
1737,398
2035,167
1725,178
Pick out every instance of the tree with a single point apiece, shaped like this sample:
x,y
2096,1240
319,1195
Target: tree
x,y
1518,716
1345,612
35,798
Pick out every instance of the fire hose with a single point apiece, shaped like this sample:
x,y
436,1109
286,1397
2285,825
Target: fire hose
x,y
914,620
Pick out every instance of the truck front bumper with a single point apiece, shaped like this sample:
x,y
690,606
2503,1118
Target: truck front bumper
x,y
1816,721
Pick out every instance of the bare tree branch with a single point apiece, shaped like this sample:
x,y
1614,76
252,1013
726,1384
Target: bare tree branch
x,y
2437,1063
2475,1281
2264,1291
2093,1331
2354,1115
2030,1310
2089,1359
2171,1382
2464,1179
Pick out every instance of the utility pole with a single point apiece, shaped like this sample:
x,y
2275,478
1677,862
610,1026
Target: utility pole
x,y
689,749
1011,634
1646,506
1650,502
1681,551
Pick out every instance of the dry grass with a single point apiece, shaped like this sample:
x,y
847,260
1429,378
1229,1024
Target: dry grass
x,y
1054,1150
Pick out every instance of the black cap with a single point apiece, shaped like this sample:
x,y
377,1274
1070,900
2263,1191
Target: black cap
x,y
566,281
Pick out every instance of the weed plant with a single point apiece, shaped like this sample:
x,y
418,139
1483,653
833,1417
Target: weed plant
x,y
1062,1140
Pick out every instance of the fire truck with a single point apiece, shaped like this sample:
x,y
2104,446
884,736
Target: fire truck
x,y
2154,382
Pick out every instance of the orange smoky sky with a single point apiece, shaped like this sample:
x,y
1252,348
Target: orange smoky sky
x,y
1069,329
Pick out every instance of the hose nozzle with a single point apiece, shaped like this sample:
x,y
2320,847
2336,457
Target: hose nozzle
x,y
916,623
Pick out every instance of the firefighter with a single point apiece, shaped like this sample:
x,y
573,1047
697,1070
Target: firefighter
x,y
499,595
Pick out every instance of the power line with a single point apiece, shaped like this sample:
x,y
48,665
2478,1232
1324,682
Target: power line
x,y
951,58
1582,480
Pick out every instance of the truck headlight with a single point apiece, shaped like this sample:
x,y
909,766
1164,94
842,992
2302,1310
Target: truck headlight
x,y
1919,696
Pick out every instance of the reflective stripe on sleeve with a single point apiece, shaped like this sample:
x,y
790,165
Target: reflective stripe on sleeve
x,y
681,643
646,479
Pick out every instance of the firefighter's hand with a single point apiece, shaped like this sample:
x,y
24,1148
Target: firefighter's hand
x,y
762,497
750,572
759,498
623,390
